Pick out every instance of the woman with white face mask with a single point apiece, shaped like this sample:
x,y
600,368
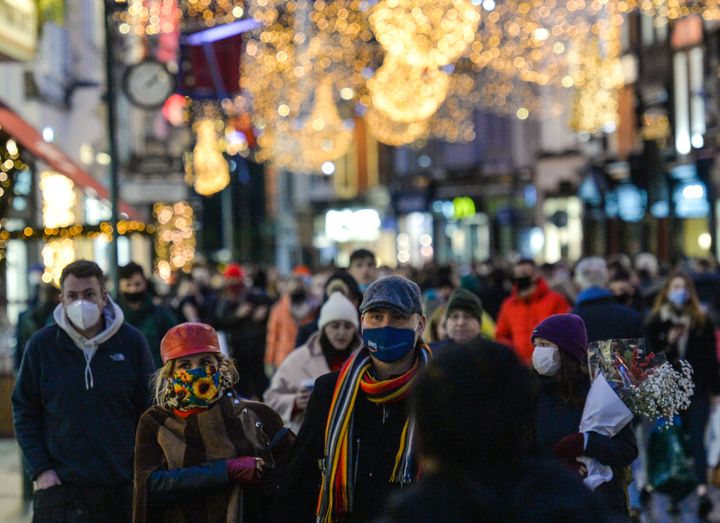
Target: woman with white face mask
x,y
560,361
678,327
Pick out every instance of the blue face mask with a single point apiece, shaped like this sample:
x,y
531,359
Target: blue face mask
x,y
678,297
363,287
389,344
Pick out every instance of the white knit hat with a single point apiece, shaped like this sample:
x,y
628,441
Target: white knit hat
x,y
338,307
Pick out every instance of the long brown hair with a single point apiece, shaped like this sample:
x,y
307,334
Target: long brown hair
x,y
572,380
692,307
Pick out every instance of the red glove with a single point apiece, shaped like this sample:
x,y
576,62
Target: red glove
x,y
570,447
244,470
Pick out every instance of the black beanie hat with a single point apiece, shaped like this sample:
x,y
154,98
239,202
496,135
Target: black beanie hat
x,y
464,300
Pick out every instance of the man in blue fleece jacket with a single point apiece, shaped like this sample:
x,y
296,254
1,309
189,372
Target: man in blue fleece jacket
x,y
82,386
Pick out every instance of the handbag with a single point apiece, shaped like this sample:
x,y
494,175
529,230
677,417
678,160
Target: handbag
x,y
670,468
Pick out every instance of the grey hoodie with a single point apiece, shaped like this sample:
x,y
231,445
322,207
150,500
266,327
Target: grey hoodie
x,y
114,318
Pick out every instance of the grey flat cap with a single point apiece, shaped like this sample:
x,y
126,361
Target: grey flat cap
x,y
393,292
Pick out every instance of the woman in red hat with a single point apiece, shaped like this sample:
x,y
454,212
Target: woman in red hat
x,y
201,452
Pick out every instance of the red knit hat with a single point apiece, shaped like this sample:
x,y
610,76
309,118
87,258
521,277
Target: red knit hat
x,y
187,339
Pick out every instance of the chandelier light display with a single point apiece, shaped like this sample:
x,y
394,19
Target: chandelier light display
x,y
415,70
425,32
406,93
209,167
395,133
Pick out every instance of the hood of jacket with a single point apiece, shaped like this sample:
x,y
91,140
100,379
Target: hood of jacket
x,y
114,318
592,294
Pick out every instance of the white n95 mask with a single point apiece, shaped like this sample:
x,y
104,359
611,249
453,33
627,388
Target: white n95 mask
x,y
83,314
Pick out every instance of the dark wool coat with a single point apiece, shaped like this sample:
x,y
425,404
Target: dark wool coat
x,y
606,319
375,440
180,463
700,353
555,420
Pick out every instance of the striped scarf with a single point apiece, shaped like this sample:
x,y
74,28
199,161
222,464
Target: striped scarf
x,y
336,491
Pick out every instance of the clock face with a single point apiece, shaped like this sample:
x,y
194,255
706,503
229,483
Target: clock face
x,y
148,84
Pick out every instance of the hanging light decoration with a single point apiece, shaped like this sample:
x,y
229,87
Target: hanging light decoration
x,y
324,137
453,122
212,12
209,168
425,32
416,69
149,17
175,237
597,81
391,132
673,9
405,93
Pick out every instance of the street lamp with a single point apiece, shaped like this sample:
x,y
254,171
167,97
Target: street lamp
x,y
109,7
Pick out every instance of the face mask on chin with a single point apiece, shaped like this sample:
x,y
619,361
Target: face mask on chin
x,y
83,314
389,344
544,360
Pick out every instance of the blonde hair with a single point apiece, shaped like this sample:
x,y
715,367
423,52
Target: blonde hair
x,y
431,334
693,306
161,380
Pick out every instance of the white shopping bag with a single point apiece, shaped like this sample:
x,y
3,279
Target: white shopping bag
x,y
712,437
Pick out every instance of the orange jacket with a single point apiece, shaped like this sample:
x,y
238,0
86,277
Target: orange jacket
x,y
282,331
518,317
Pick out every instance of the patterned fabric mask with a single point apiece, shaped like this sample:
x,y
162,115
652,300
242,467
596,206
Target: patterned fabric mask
x,y
195,388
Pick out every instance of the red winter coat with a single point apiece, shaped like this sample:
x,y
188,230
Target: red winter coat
x,y
519,316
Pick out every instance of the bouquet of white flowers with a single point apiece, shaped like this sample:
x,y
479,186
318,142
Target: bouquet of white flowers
x,y
627,381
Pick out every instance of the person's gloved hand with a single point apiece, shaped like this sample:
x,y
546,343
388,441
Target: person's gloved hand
x,y
245,470
570,447
576,467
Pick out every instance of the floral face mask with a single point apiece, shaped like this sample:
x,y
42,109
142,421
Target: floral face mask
x,y
195,388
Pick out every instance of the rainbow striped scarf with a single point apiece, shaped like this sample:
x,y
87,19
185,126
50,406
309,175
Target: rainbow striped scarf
x,y
336,491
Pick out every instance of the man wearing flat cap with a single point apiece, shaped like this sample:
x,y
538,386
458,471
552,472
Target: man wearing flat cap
x,y
356,444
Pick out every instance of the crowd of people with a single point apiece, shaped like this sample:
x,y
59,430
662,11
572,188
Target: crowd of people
x,y
358,394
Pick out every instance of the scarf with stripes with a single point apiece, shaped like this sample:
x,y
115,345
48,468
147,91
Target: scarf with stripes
x,y
336,491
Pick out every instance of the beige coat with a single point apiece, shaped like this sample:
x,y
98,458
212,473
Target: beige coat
x,y
307,362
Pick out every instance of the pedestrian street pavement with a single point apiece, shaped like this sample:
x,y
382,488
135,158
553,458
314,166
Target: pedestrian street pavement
x,y
12,509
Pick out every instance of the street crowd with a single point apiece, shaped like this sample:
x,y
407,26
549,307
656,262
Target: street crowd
x,y
358,394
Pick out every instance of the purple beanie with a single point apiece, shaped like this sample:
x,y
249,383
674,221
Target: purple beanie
x,y
567,331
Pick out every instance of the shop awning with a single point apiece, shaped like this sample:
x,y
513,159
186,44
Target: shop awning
x,y
29,138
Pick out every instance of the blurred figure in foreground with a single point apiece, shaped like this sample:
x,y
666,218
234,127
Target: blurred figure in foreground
x,y
475,452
